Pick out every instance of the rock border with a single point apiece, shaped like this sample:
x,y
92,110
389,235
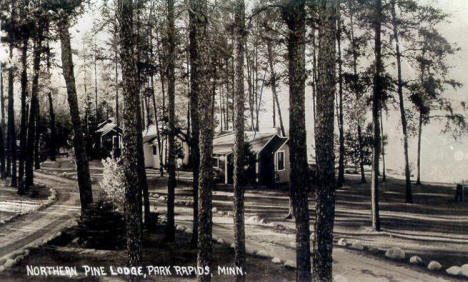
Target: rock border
x,y
398,255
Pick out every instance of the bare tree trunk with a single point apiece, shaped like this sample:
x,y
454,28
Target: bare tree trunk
x,y
130,156
239,158
324,141
24,113
84,179
194,115
376,107
404,123
171,183
294,14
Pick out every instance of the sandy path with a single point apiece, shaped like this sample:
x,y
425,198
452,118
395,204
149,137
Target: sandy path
x,y
28,229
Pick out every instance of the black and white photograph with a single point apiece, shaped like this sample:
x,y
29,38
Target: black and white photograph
x,y
234,140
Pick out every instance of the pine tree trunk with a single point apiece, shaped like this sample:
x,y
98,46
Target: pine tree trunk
x,y
384,173
239,158
294,14
37,140
117,115
418,180
171,183
194,116
156,122
255,87
140,168
155,109
361,154
376,107
96,118
24,113
341,168
29,174
163,79
404,123
273,86
11,170
324,140
2,127
250,89
358,97
205,221
314,76
84,178
130,158
53,130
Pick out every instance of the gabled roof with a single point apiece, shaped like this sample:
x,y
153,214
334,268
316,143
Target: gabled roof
x,y
149,133
224,144
107,126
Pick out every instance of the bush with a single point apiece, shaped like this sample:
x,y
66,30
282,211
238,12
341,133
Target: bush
x,y
101,227
113,182
153,222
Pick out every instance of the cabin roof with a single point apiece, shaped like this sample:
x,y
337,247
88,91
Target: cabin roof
x,y
108,126
224,143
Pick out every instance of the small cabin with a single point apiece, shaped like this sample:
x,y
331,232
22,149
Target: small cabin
x,y
270,165
108,139
152,152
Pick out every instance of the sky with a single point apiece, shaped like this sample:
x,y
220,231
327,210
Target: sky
x,y
444,159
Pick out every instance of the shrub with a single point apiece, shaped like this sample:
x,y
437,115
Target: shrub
x,y
101,227
112,182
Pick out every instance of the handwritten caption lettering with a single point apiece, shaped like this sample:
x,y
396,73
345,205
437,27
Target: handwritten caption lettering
x,y
143,271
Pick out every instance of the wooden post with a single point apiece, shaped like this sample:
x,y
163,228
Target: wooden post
x,y
226,173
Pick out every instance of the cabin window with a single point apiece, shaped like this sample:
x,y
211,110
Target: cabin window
x,y
280,160
155,151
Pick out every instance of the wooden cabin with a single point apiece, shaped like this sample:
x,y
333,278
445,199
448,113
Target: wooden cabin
x,y
108,139
271,157
152,153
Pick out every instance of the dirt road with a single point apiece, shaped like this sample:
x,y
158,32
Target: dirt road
x,y
35,227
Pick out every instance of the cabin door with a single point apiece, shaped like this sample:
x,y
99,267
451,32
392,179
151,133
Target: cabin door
x,y
266,168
